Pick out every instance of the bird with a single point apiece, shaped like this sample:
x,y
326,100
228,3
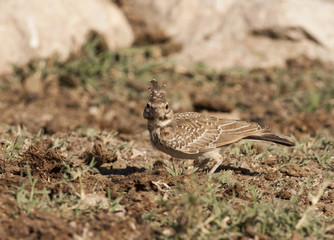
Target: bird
x,y
193,135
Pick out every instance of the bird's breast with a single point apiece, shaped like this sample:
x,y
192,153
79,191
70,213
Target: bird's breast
x,y
157,143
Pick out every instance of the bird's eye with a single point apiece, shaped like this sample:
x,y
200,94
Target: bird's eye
x,y
167,106
148,105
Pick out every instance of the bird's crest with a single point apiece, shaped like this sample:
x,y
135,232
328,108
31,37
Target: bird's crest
x,y
156,92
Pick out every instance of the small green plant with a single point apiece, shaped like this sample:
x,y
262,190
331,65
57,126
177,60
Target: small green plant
x,y
28,197
40,134
226,178
120,147
114,204
245,148
72,174
12,149
325,158
175,172
257,194
58,143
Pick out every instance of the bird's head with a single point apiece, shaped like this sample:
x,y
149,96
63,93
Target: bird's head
x,y
157,108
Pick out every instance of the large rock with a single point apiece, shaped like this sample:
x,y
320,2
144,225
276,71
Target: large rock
x,y
39,28
239,33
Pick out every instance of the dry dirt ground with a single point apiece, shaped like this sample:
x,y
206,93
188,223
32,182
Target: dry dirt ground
x,y
76,161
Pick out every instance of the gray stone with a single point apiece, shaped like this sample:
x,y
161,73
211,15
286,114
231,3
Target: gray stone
x,y
40,28
240,33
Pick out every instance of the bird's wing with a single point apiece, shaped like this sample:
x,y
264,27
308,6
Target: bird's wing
x,y
193,133
235,130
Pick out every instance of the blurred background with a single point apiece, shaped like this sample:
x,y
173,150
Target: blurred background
x,y
65,64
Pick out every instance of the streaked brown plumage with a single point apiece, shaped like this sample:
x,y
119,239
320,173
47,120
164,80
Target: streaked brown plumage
x,y
194,135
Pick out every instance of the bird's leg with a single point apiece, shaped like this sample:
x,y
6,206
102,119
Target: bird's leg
x,y
218,162
215,156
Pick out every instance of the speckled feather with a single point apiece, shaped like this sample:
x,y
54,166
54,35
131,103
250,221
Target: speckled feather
x,y
193,133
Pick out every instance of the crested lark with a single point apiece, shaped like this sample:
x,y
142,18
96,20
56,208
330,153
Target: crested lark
x,y
194,135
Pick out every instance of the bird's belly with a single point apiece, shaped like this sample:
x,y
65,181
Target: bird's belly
x,y
155,140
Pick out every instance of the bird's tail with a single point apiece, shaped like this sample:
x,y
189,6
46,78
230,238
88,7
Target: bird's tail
x,y
272,138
